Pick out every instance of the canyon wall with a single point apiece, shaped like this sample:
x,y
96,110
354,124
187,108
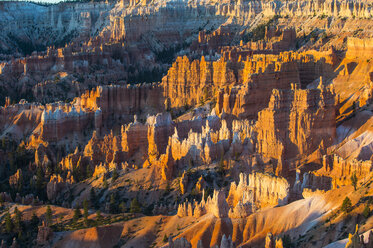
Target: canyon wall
x,y
99,108
259,189
240,88
253,192
359,48
295,123
340,170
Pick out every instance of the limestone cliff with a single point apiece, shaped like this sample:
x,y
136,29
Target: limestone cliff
x,y
295,123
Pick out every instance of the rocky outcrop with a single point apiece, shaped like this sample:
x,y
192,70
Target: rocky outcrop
x,y
100,170
339,170
45,234
217,206
253,191
178,243
71,161
57,185
134,138
226,242
166,165
295,123
312,183
213,140
22,118
201,184
184,182
122,102
160,127
359,48
271,242
240,87
16,180
354,239
58,124
259,190
276,40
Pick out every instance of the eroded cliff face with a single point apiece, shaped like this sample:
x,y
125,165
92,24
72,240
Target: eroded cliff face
x,y
253,192
340,170
353,84
240,129
260,190
241,88
120,20
296,122
101,108
56,23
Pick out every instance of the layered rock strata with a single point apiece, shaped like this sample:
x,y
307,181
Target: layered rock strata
x,y
295,123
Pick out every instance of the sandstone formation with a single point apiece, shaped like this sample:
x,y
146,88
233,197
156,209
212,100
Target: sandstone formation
x,y
271,242
296,122
340,170
253,192
260,190
45,234
57,184
203,123
217,206
16,180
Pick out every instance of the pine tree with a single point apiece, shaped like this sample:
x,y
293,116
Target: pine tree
x,y
77,215
122,207
8,223
165,238
113,204
366,211
105,183
92,196
354,180
39,178
85,212
88,171
98,216
48,216
17,220
115,175
135,206
346,205
34,222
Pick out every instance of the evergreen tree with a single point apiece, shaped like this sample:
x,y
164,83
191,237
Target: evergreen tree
x,y
135,206
1,200
113,204
17,220
122,207
34,222
93,197
39,178
85,212
366,211
88,171
105,184
98,216
48,216
165,238
115,175
8,223
77,215
346,205
354,180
